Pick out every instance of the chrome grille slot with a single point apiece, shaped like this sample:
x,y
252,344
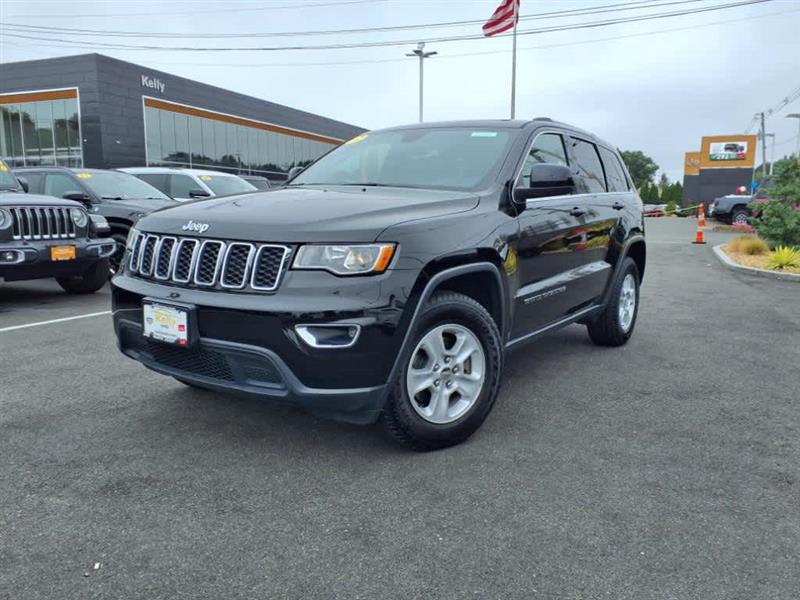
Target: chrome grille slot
x,y
184,260
164,257
236,265
41,223
268,266
147,257
208,262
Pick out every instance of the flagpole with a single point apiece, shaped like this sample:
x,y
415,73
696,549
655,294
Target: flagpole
x,y
514,63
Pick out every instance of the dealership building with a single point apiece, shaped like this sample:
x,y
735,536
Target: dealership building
x,y
723,164
95,111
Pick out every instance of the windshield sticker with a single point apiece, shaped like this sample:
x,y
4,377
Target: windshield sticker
x,y
3,167
484,134
205,177
84,175
355,140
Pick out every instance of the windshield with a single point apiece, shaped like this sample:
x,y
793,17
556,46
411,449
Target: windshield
x,y
7,180
225,185
446,158
113,185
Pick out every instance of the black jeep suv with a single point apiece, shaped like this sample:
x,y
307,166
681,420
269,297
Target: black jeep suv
x,y
119,197
43,237
388,279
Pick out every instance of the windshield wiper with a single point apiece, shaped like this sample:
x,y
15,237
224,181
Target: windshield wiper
x,y
111,198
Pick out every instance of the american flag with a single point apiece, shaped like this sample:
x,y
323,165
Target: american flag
x,y
503,18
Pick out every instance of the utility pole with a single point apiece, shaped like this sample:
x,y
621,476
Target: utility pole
x,y
514,64
796,116
763,149
422,55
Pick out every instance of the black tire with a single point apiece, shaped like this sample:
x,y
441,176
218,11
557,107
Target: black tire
x,y
92,280
400,420
740,216
115,259
606,329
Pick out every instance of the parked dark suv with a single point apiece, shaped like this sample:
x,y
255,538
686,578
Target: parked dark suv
x,y
119,197
43,237
388,280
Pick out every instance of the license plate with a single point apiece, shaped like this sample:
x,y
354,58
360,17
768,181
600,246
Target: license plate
x,y
165,323
62,252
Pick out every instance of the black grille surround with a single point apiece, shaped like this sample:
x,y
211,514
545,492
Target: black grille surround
x,y
208,263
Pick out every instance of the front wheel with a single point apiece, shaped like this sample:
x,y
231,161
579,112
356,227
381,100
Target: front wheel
x,y
614,326
92,280
449,376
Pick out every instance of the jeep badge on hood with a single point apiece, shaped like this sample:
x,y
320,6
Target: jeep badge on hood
x,y
195,226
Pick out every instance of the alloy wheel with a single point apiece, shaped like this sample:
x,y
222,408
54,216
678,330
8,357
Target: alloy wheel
x,y
627,302
446,373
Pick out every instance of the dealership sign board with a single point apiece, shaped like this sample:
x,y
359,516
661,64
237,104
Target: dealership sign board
x,y
153,83
691,163
722,151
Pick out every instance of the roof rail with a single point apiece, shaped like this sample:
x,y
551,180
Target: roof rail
x,y
543,119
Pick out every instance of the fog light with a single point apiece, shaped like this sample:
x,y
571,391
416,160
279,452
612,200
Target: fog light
x,y
11,257
329,336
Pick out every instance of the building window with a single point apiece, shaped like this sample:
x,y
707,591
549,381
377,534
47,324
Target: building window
x,y
183,137
40,128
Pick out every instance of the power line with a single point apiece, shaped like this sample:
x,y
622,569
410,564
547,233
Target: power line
x,y
470,54
373,44
296,5
780,105
619,7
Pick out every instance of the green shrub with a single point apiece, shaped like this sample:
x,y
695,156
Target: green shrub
x,y
783,257
747,244
670,208
779,224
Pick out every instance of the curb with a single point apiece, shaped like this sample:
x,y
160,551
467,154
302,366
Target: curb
x,y
729,263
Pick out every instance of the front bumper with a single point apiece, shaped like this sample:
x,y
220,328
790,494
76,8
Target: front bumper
x,y
31,259
248,343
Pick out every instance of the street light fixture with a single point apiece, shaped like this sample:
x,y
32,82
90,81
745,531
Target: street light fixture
x,y
422,55
796,116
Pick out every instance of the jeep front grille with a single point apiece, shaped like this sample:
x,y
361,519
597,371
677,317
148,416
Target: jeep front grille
x,y
209,263
42,223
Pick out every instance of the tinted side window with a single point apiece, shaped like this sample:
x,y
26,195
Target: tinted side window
x,y
34,181
547,148
58,184
615,175
181,185
157,180
588,167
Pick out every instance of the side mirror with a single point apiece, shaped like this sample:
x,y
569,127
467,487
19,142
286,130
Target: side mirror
x,y
294,172
198,193
24,184
547,180
77,196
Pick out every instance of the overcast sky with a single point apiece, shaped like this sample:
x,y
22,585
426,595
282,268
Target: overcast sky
x,y
655,86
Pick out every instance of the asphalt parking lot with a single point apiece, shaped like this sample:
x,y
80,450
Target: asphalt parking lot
x,y
666,469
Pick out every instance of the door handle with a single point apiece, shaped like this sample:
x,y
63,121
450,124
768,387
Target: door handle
x,y
618,205
577,211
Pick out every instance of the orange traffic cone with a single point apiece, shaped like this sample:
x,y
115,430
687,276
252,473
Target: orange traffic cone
x,y
701,216
699,238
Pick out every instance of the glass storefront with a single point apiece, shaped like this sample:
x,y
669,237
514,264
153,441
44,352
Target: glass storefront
x,y
175,138
40,132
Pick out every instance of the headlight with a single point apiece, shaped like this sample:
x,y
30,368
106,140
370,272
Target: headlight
x,y
78,217
5,218
133,233
345,259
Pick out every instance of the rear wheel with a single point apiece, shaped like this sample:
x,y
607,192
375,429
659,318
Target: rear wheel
x,y
614,326
449,376
740,217
92,280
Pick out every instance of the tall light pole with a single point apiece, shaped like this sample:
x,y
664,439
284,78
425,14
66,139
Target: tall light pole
x,y
422,55
796,116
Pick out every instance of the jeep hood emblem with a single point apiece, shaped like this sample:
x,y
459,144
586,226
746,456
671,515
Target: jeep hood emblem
x,y
195,226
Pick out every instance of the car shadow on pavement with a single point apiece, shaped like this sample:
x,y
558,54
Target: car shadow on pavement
x,y
196,414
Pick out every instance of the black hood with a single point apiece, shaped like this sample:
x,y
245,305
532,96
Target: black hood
x,y
142,205
315,214
12,198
